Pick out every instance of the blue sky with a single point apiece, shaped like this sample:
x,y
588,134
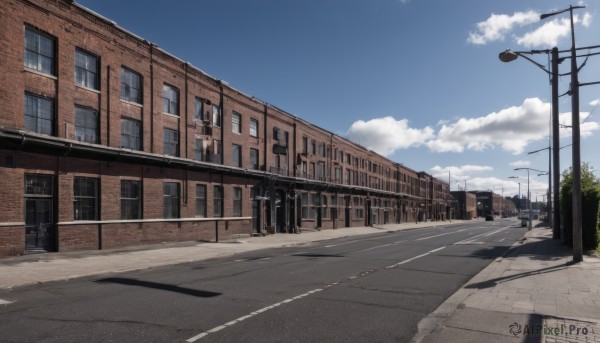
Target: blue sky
x,y
419,81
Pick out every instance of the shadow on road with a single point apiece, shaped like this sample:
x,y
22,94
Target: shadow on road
x,y
160,286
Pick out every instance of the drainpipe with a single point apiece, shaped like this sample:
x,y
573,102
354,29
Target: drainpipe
x,y
152,98
265,138
186,108
107,107
221,104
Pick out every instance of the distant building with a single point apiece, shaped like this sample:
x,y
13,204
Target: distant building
x,y
488,203
467,205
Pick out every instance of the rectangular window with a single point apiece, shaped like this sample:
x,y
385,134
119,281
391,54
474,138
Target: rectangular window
x,y
313,146
86,125
236,155
40,51
198,109
324,207
237,202
304,145
39,114
216,112
39,184
321,149
131,134
170,100
218,201
358,208
254,159
236,122
85,198
86,69
321,172
201,201
199,150
131,199
171,199
217,152
171,142
338,175
253,127
131,86
305,207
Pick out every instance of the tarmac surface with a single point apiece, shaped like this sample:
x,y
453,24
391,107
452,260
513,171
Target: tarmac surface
x,y
532,294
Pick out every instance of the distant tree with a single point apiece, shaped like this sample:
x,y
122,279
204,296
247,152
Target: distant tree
x,y
590,196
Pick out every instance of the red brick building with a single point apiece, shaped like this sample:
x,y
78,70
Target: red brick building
x,y
466,204
108,141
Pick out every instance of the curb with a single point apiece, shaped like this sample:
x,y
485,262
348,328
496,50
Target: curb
x,y
433,321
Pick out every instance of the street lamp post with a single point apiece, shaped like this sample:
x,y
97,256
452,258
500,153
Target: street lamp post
x,y
577,213
509,56
529,193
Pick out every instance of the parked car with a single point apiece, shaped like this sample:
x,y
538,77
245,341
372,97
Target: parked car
x,y
489,217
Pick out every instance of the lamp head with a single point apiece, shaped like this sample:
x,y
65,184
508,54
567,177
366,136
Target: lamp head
x,y
507,56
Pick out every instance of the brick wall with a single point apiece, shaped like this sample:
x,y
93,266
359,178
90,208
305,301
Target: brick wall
x,y
75,29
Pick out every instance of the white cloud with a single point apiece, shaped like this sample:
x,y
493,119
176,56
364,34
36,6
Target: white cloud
x,y
520,163
595,102
498,25
386,135
458,172
511,129
548,34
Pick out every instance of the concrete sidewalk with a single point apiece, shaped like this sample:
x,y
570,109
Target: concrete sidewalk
x,y
532,294
38,268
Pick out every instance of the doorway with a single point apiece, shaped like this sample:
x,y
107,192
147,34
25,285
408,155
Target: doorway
x,y
40,228
280,220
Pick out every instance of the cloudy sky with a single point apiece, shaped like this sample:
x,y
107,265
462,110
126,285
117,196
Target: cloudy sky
x,y
418,81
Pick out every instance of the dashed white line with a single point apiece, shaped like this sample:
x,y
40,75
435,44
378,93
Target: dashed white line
x,y
414,258
442,234
470,240
264,309
5,302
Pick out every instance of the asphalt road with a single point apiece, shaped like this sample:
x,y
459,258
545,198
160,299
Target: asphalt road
x,y
372,288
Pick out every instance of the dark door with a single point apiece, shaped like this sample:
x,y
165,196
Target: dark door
x,y
39,231
255,215
280,211
319,216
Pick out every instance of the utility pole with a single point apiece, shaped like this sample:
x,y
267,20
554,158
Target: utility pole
x,y
556,227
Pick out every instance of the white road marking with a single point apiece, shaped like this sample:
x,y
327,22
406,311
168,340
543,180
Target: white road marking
x,y
470,240
264,309
441,234
414,258
289,300
5,302
336,245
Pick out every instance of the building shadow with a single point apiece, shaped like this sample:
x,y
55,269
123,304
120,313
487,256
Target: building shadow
x,y
159,286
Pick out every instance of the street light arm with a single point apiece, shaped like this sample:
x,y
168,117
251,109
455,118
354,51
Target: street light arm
x,y
546,15
509,56
533,152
